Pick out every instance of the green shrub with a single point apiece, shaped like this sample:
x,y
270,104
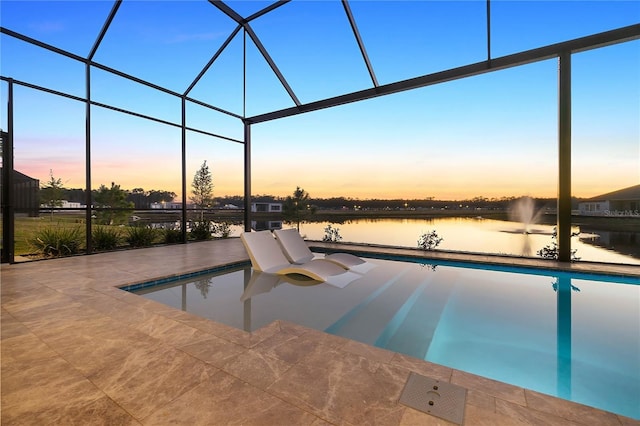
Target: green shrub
x,y
551,251
200,230
172,236
55,242
223,229
331,234
429,241
140,236
105,238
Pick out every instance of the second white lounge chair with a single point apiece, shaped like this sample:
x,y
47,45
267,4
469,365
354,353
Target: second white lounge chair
x,y
297,251
267,256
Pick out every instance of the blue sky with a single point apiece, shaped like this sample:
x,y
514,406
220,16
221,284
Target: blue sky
x,y
491,135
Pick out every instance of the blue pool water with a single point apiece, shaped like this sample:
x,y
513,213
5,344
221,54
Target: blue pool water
x,y
575,336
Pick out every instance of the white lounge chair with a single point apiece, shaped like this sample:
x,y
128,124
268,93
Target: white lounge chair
x,y
266,255
297,251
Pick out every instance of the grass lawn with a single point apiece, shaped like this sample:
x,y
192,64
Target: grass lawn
x,y
27,227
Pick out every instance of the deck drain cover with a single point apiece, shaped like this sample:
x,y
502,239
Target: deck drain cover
x,y
440,399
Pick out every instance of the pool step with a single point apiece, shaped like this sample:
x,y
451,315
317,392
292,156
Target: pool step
x,y
411,330
364,322
381,318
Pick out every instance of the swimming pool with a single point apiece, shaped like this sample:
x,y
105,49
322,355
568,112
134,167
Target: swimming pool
x,y
575,336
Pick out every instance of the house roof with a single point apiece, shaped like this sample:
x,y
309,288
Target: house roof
x,y
20,177
630,193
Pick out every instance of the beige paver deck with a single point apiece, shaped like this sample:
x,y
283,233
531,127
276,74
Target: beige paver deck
x,y
77,350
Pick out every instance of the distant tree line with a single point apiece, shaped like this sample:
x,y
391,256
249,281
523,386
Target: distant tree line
x,y
344,203
141,198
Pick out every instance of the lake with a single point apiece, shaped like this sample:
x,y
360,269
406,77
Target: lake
x,y
480,235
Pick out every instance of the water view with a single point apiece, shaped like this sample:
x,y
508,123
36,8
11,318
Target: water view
x,y
480,235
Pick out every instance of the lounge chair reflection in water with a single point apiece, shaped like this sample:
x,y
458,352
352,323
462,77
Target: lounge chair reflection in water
x,y
266,256
264,282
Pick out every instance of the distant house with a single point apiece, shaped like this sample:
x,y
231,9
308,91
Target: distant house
x,y
266,207
64,204
171,205
71,205
624,202
26,194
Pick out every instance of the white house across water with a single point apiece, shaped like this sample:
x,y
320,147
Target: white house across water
x,y
624,202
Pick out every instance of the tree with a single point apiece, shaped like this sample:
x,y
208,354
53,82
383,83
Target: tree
x,y
144,199
296,206
51,193
159,196
139,198
113,204
202,188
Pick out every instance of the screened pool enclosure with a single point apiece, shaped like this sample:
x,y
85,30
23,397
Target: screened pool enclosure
x,y
358,95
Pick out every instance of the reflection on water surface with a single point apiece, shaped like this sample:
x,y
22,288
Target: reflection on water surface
x,y
483,235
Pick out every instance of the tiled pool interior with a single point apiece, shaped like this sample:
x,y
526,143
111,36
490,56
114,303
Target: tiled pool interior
x,y
571,335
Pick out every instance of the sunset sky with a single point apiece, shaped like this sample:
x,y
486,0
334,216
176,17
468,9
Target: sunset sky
x,y
492,135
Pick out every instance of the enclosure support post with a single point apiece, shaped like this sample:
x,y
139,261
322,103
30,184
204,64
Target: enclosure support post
x,y
564,158
87,165
247,177
183,220
8,220
489,31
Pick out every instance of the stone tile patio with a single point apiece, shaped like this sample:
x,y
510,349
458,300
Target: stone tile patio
x,y
77,350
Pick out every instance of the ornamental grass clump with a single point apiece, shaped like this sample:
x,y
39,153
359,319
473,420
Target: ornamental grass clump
x,y
105,237
200,230
140,236
57,242
172,236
